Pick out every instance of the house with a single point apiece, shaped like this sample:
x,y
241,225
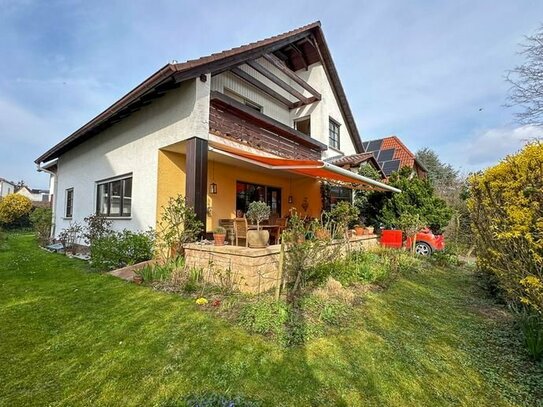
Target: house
x,y
256,122
392,154
39,196
6,187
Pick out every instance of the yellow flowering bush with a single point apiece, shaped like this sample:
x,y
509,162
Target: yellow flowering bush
x,y
13,207
506,210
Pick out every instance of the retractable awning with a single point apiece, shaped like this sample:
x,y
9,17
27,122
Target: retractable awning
x,y
311,168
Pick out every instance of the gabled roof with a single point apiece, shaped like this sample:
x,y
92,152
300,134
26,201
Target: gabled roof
x,y
171,75
392,154
355,160
6,181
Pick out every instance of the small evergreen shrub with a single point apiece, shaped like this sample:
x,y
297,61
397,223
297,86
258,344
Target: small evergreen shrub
x,y
120,249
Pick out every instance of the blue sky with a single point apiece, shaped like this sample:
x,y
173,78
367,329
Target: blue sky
x,y
422,70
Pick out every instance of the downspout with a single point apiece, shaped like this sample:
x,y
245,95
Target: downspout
x,y
53,203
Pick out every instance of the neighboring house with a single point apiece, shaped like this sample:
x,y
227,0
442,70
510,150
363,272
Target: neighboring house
x,y
6,187
392,155
35,195
251,123
354,161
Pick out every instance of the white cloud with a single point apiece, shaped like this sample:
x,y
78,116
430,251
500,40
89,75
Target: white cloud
x,y
488,147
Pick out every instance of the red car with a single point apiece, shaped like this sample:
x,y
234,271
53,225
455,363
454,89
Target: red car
x,y
426,242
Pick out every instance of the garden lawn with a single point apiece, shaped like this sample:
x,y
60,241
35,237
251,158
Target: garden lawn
x,y
70,337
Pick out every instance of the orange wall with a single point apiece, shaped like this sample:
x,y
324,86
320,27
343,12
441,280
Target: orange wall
x,y
223,204
171,181
171,178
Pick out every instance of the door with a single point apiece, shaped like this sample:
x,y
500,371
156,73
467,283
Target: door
x,y
273,199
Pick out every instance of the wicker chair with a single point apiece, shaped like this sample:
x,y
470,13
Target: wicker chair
x,y
241,226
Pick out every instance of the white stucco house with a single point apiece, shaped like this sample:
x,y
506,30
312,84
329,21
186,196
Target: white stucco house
x,y
6,187
263,121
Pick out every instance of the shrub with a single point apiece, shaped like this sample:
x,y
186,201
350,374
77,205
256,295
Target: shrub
x,y
13,208
506,210
532,329
97,226
122,249
178,226
344,215
70,236
42,219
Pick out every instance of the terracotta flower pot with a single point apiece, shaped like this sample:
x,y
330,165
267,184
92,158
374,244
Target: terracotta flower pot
x,y
219,239
258,238
138,279
359,230
322,234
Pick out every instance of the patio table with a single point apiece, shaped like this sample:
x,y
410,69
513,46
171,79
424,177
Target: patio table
x,y
274,230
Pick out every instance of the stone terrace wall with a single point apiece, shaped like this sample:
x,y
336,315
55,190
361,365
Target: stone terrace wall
x,y
249,270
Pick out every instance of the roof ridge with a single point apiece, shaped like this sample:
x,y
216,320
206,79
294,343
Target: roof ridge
x,y
261,42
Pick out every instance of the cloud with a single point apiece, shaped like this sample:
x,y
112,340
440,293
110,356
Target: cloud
x,y
489,146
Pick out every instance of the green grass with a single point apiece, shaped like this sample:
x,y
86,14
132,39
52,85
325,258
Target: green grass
x,y
69,337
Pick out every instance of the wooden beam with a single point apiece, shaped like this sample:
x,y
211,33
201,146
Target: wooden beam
x,y
219,65
263,87
301,54
278,81
291,74
196,177
310,100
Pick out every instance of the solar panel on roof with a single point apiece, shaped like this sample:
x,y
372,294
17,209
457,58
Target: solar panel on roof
x,y
375,154
390,166
365,145
386,155
375,145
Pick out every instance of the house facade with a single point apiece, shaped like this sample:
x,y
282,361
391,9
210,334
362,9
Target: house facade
x,y
6,187
35,195
257,122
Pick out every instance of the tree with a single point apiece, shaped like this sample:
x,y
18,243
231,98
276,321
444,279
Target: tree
x,y
439,173
362,198
527,81
418,197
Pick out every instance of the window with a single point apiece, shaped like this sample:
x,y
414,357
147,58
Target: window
x,y
334,194
303,125
69,202
334,134
243,100
247,193
114,198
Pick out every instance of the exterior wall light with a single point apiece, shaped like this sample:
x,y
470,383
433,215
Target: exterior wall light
x,y
213,188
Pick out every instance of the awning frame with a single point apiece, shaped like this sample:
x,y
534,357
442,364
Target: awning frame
x,y
320,165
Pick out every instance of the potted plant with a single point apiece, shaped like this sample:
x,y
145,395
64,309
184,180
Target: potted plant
x,y
258,212
359,230
219,235
370,230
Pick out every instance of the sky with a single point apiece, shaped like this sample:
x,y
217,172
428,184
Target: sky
x,y
431,72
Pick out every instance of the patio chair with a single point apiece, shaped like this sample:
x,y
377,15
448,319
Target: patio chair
x,y
241,226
